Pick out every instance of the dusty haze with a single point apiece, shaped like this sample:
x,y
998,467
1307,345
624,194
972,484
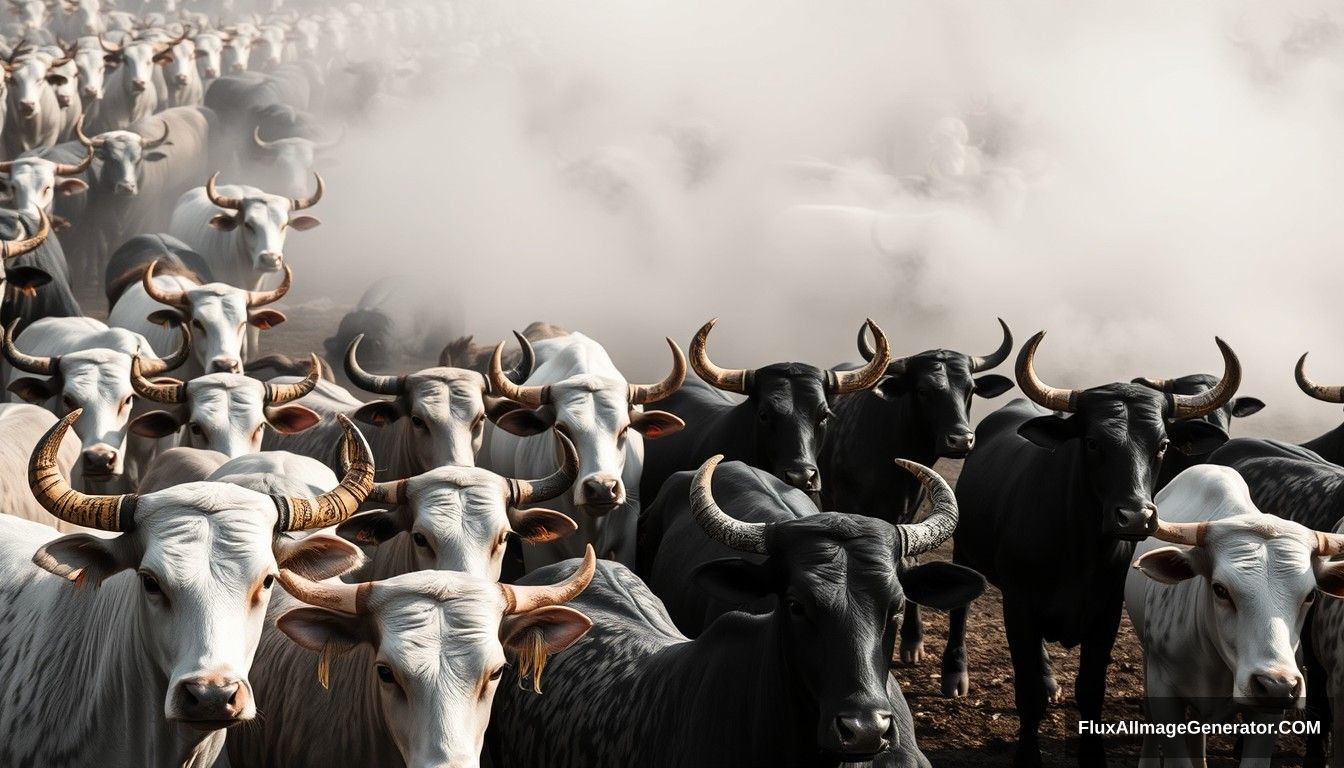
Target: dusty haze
x,y
1151,174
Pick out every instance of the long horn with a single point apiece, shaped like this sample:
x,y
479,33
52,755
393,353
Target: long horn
x,y
377,384
168,394
1220,394
996,358
262,298
897,365
929,533
156,367
335,506
53,491
1037,391
1189,534
744,537
352,599
845,382
728,379
223,202
83,139
641,394
42,366
108,47
256,138
10,249
277,394
159,141
527,360
1329,544
519,393
520,599
299,203
1330,394
171,298
69,169
523,492
388,492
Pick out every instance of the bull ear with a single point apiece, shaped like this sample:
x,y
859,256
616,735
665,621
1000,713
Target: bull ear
x,y
318,629
168,318
155,424
1247,406
540,525
72,186
304,223
992,385
1050,432
291,419
265,319
379,413
942,585
734,580
32,390
558,626
84,558
497,407
889,387
1330,579
223,222
655,424
317,557
373,527
1167,565
1196,437
525,423
27,278
154,156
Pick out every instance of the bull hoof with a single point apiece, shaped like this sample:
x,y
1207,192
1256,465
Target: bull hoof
x,y
1053,694
956,684
912,653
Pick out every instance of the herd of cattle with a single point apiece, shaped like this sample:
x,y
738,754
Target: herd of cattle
x,y
522,558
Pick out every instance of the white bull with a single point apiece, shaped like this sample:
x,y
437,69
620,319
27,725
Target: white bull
x,y
33,182
1220,620
578,390
129,93
33,117
134,650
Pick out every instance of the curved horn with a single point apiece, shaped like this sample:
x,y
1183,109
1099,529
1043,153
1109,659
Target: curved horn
x,y
527,360
262,298
932,531
641,394
744,537
1329,394
728,379
108,47
69,169
1161,385
1189,534
1329,544
53,491
377,384
164,47
1036,390
168,394
10,249
159,141
54,63
171,298
83,139
519,393
155,367
278,394
995,358
256,138
299,203
301,514
845,382
233,203
332,595
521,599
1220,394
897,365
389,492
523,492
42,366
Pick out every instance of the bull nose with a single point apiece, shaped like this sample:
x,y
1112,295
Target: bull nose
x,y
27,107
210,701
212,72
92,93
601,490
271,260
1276,687
138,85
960,444
125,188
864,733
805,479
99,460
1129,523
226,365
181,79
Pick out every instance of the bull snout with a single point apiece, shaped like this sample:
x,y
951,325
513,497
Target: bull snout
x,y
125,188
226,365
27,107
271,261
957,445
1279,688
805,478
138,86
181,80
210,702
601,493
1131,523
862,733
100,460
90,92
211,72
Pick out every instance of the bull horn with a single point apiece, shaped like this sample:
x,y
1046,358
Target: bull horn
x,y
108,47
53,491
995,358
1329,394
10,249
1037,391
897,365
299,203
377,384
389,492
83,139
641,394
523,492
519,599
299,513
728,379
1189,534
500,384
352,599
42,366
256,138
262,298
278,394
157,367
527,360
6,166
845,382
176,299
233,203
1161,385
1329,544
932,531
167,394
718,525
159,141
54,63
1195,406
164,47
71,169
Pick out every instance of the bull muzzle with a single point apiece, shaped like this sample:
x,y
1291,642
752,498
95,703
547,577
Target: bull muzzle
x,y
226,365
600,493
270,261
100,461
1130,522
209,702
805,478
1273,689
957,445
861,734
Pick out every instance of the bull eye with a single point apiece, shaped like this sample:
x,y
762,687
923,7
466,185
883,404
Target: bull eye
x,y
195,428
385,673
1162,448
420,540
417,422
498,673
150,584
1221,592
1311,598
268,582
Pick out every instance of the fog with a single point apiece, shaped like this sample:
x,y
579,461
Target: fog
x,y
1135,178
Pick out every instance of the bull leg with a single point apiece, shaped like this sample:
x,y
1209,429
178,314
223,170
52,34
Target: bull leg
x,y
1090,685
912,636
1161,705
1052,690
956,683
1024,644
1257,749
